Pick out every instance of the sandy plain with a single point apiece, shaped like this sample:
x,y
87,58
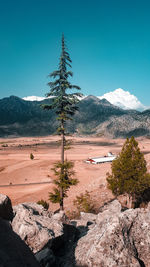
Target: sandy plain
x,y
26,180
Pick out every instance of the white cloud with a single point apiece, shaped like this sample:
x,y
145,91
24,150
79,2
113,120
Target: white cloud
x,y
123,99
35,98
40,98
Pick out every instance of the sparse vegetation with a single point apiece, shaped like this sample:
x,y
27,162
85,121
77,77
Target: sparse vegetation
x,y
84,203
129,173
65,105
43,203
31,156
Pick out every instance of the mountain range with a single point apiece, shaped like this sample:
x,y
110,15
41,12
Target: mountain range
x,y
95,116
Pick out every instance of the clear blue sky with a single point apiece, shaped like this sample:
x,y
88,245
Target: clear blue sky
x,y
108,41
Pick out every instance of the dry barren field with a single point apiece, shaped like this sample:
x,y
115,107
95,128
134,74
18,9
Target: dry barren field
x,y
26,180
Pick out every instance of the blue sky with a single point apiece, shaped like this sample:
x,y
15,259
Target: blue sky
x,y
108,41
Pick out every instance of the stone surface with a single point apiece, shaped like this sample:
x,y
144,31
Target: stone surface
x,y
36,226
140,232
111,238
6,211
13,251
117,239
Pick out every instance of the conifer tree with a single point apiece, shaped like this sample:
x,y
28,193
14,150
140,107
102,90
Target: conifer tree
x,y
64,179
129,173
64,102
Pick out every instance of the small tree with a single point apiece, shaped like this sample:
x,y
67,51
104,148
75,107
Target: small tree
x,y
129,173
64,179
65,104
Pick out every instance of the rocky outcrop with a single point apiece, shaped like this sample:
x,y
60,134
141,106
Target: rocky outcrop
x,y
36,226
13,251
48,235
117,239
111,238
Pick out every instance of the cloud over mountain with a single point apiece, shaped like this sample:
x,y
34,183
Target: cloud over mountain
x,y
123,99
34,98
118,97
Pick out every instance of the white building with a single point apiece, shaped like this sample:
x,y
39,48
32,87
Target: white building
x,y
109,158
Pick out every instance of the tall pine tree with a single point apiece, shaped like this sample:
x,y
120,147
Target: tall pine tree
x,y
64,102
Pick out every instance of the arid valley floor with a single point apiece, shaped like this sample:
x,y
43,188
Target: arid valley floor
x,y
26,180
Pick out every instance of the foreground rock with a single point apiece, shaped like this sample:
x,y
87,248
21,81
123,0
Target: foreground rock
x,y
35,225
117,239
109,239
40,228
13,251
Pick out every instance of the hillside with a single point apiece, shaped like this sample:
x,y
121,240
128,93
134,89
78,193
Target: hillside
x,y
26,118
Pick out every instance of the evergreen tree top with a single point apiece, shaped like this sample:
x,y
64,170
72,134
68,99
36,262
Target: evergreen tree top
x,y
64,102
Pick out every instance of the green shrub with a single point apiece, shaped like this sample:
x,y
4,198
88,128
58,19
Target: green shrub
x,y
31,156
84,203
4,145
43,203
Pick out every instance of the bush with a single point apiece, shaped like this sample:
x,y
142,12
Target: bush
x,y
43,203
31,156
84,203
73,214
129,173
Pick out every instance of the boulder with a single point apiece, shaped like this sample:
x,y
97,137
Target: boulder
x,y
140,233
117,239
6,211
36,226
13,251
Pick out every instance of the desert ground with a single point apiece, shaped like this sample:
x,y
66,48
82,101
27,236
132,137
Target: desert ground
x,y
26,180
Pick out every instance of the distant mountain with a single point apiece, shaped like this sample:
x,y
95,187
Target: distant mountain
x,y
118,97
26,118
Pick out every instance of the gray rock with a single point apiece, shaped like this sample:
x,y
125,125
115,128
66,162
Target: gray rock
x,y
6,211
116,239
140,233
109,239
13,251
36,226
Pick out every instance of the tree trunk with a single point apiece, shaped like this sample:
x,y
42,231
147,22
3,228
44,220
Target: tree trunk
x,y
62,161
62,144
